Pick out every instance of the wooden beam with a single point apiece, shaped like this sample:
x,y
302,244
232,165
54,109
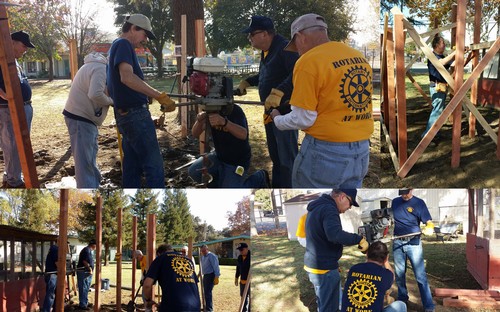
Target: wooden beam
x,y
183,109
482,45
476,39
435,31
419,88
394,156
462,303
450,292
459,79
119,261
98,239
190,249
391,88
199,33
73,58
16,104
403,171
399,42
62,243
245,291
134,260
383,69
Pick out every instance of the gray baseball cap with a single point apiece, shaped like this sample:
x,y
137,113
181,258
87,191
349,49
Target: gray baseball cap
x,y
304,22
143,22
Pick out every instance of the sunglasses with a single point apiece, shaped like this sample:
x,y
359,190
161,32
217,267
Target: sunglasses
x,y
250,35
350,200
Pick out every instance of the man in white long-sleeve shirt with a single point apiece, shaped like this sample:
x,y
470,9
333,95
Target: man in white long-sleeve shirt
x,y
331,103
85,110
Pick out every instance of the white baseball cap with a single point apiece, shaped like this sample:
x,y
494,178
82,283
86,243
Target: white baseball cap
x,y
303,22
143,22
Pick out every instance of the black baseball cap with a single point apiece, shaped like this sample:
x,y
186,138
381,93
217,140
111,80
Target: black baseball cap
x,y
404,191
241,246
352,194
259,22
22,37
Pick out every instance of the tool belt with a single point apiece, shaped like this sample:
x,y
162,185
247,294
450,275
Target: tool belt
x,y
440,86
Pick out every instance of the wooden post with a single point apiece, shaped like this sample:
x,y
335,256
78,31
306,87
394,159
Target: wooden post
x,y
245,292
476,39
190,248
183,109
134,247
62,243
151,239
16,104
459,78
199,33
73,58
391,89
119,262
399,41
98,239
203,304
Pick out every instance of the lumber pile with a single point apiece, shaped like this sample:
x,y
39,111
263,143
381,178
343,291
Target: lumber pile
x,y
468,298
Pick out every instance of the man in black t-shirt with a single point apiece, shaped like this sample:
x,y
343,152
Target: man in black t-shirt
x,y
367,283
231,158
177,278
242,271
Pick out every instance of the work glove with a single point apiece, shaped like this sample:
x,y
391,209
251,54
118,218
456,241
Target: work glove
x,y
274,99
363,245
267,118
235,281
216,280
242,88
167,105
428,229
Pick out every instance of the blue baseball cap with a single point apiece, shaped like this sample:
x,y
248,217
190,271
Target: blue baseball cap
x,y
352,194
259,23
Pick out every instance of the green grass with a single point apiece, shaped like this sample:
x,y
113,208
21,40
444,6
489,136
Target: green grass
x,y
281,284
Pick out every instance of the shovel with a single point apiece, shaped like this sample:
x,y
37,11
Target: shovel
x,y
131,303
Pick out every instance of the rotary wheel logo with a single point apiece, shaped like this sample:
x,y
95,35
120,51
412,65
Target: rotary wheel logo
x,y
362,293
356,89
410,209
182,266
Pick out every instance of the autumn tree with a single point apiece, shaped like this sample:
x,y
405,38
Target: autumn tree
x,y
174,218
159,13
75,198
43,20
81,26
239,221
144,202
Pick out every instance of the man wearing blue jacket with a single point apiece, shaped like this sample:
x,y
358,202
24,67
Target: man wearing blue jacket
x,y
275,88
325,241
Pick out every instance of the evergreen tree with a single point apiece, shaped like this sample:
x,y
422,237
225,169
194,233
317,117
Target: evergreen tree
x,y
38,211
175,219
143,203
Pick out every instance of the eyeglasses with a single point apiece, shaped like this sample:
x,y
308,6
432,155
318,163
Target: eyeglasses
x,y
350,200
250,35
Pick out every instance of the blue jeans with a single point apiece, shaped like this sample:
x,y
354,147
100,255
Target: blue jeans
x,y
208,285
84,280
83,138
327,289
141,152
224,175
283,148
13,170
322,164
50,292
396,306
438,106
401,252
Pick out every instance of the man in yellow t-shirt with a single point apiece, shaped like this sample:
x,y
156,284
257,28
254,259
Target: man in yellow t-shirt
x,y
331,103
143,262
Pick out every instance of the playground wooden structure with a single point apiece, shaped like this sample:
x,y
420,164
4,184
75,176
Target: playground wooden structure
x,y
393,93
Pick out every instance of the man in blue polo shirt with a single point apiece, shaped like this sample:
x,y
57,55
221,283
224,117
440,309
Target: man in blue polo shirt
x,y
12,177
177,278
85,268
367,283
211,272
230,161
275,88
409,211
129,91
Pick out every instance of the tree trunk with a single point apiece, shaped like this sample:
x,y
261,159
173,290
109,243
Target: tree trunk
x,y
51,68
193,10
